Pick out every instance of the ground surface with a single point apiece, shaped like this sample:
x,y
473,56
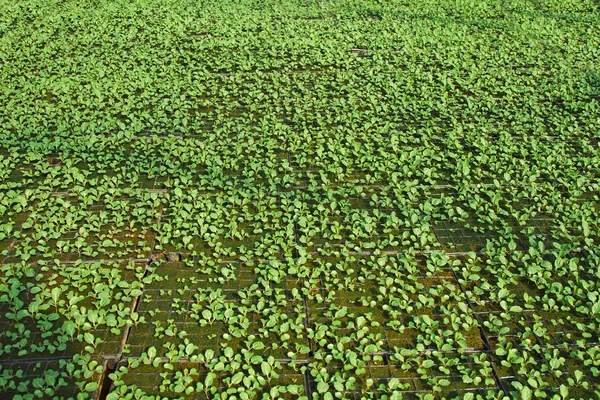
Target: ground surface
x,y
256,199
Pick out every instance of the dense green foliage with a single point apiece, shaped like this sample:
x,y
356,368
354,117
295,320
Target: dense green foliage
x,y
293,199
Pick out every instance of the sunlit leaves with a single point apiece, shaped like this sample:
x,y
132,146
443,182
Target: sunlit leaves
x,y
383,196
